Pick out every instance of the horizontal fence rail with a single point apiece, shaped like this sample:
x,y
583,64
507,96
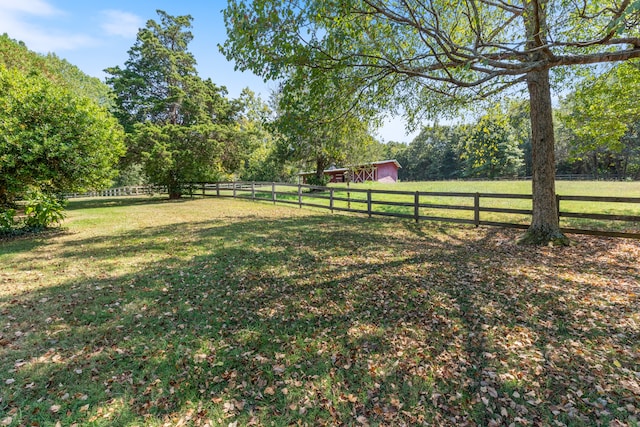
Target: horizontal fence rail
x,y
138,190
488,209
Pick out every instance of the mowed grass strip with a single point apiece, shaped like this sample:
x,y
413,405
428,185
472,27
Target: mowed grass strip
x,y
218,311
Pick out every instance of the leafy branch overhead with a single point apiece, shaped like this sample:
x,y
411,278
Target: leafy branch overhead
x,y
479,46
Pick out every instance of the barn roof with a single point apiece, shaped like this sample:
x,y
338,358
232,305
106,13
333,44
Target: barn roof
x,y
334,169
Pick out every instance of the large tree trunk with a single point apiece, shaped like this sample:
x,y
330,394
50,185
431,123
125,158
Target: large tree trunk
x,y
545,225
174,187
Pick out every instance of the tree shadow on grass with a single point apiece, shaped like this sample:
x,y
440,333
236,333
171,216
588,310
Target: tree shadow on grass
x,y
123,201
314,318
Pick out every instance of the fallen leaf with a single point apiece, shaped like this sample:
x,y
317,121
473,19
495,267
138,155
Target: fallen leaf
x,y
362,420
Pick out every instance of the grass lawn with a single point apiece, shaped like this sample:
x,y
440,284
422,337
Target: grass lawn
x,y
224,312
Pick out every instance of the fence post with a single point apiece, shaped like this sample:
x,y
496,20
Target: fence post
x,y
369,202
218,189
234,189
476,209
558,207
416,206
253,190
331,199
204,187
273,192
299,195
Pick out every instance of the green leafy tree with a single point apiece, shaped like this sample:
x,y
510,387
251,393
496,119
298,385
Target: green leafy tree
x,y
260,140
311,134
16,55
180,127
490,152
433,155
417,54
599,118
52,140
518,123
397,150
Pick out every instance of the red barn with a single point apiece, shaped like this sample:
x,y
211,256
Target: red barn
x,y
382,171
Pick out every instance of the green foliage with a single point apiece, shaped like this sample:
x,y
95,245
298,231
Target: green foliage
x,y
43,210
15,55
40,211
51,139
129,174
490,151
260,139
598,121
498,144
433,155
425,57
181,128
311,134
7,220
321,181
173,155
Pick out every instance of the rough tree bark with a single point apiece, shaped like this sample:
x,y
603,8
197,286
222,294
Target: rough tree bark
x,y
545,224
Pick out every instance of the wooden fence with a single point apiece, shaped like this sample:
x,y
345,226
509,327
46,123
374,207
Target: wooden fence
x,y
139,190
376,202
473,208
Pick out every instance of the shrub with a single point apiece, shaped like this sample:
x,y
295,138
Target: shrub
x,y
7,220
319,181
43,210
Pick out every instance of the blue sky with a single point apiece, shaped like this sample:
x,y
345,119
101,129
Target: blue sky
x,y
96,34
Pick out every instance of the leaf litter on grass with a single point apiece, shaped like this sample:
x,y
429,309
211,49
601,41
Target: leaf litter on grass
x,y
214,312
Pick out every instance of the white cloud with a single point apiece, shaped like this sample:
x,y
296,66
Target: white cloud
x,y
119,23
15,21
30,7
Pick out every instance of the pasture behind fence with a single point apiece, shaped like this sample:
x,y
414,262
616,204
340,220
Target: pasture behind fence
x,y
488,209
472,208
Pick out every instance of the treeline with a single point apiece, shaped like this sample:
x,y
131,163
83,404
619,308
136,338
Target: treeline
x,y
589,141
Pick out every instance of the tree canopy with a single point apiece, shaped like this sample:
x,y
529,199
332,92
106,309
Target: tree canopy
x,y
180,127
56,134
599,122
311,134
416,55
16,55
51,139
